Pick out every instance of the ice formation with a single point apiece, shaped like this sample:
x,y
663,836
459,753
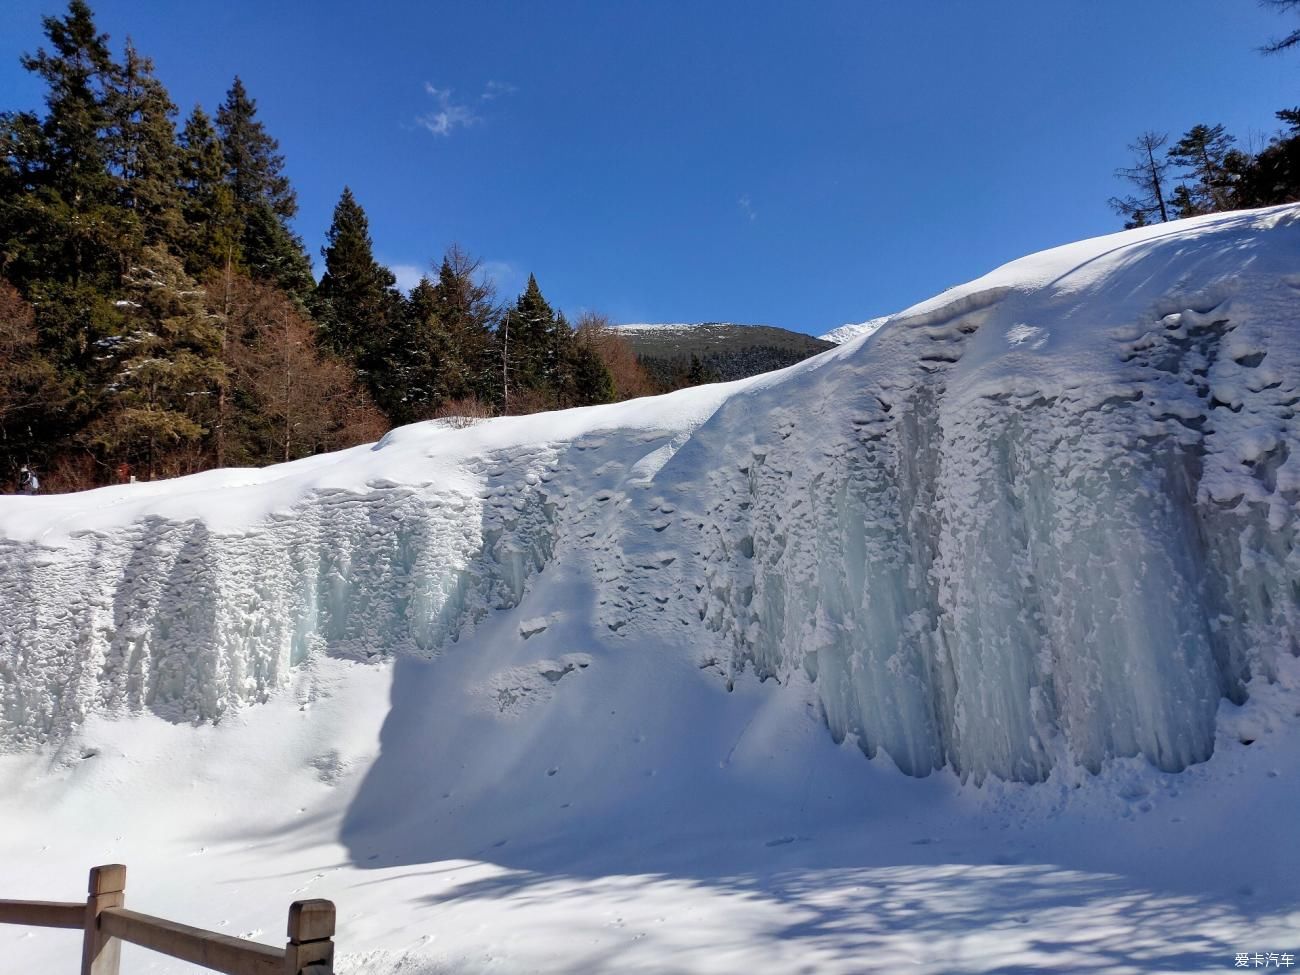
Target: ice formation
x,y
1047,517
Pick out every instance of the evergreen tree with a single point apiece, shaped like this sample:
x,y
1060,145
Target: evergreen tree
x,y
422,302
65,237
700,372
560,358
1209,165
144,153
272,252
413,359
78,72
441,349
1148,174
355,301
531,324
1274,175
59,218
588,379
254,166
160,397
264,200
104,341
465,316
211,224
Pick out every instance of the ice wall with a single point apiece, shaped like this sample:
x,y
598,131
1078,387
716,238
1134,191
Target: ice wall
x,y
1045,518
1037,526
189,623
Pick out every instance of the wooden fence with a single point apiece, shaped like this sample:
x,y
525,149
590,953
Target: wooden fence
x,y
105,924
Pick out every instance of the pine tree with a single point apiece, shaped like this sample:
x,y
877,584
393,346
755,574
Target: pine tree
x,y
144,153
1208,161
79,73
1148,173
104,340
160,398
413,358
355,301
465,316
264,200
254,166
64,236
528,361
211,224
589,380
59,218
272,252
1274,175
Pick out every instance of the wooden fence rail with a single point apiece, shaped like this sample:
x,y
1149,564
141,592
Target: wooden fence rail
x,y
105,924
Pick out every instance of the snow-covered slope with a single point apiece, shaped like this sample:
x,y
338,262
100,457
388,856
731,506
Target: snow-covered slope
x,y
908,522
852,331
1038,528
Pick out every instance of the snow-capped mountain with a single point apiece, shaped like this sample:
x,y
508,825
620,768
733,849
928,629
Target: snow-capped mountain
x,y
724,350
851,331
635,687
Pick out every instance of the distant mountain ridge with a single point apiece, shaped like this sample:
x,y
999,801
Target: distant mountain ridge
x,y
716,351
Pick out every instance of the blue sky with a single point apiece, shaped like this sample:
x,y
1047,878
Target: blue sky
x,y
799,163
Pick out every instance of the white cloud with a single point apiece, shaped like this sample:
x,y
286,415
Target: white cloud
x,y
408,275
507,279
449,115
452,114
747,207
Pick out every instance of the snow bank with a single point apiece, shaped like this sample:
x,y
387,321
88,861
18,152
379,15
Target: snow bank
x,y
1044,519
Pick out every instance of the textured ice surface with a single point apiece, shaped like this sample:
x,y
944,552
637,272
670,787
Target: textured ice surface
x,y
1047,517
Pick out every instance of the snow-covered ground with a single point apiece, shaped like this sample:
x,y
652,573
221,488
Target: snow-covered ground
x,y
630,688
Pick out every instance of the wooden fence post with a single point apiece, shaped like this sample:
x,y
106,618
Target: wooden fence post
x,y
100,954
311,938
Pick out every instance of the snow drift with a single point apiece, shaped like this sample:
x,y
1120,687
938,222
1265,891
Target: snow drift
x,y
1044,519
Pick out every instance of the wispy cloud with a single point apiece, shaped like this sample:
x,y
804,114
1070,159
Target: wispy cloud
x,y
451,113
497,89
747,207
408,275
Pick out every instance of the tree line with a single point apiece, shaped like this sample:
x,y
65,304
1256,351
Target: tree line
x,y
159,316
1206,171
